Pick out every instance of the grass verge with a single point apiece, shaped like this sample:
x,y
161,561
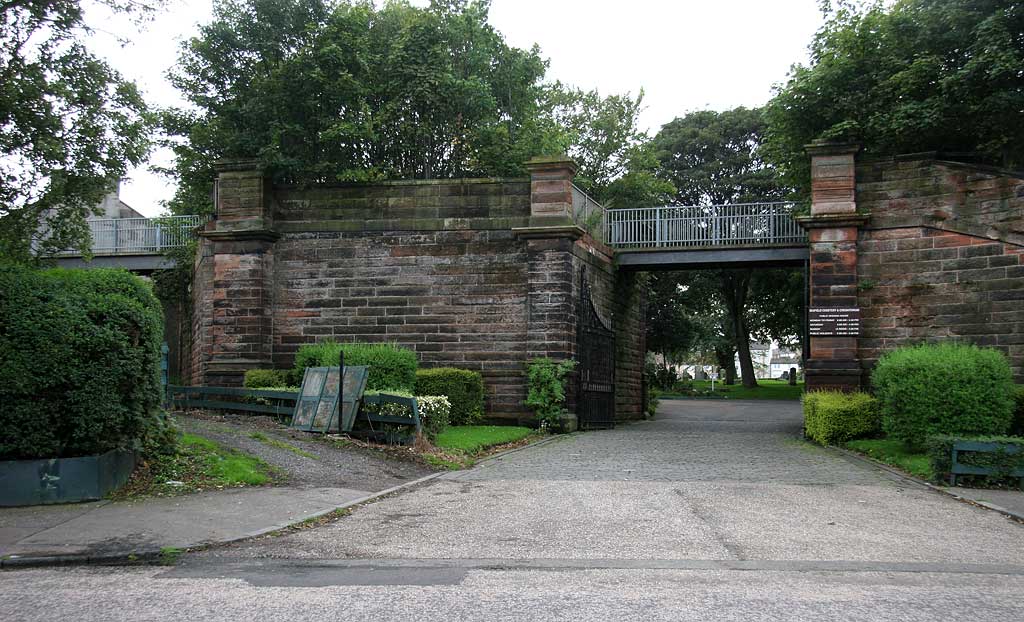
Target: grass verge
x,y
472,439
198,464
459,447
894,453
765,390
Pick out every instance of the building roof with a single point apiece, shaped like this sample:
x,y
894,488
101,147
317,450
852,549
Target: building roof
x,y
786,360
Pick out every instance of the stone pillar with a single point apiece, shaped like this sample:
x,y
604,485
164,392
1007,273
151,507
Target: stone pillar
x,y
233,288
833,227
551,191
550,239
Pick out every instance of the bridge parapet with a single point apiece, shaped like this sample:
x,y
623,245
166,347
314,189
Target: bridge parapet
x,y
590,215
704,226
139,236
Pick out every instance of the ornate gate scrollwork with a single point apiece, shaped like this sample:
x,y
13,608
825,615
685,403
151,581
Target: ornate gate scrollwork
x,y
595,347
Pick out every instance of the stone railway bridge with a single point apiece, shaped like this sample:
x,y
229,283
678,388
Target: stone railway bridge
x,y
488,273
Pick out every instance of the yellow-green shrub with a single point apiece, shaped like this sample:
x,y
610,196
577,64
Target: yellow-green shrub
x,y
833,417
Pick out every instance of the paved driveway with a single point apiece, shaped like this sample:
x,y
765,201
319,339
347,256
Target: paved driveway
x,y
713,511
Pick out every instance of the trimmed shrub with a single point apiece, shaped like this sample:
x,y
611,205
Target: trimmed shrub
x,y
545,389
265,378
391,366
833,417
79,363
940,454
945,388
464,389
1017,428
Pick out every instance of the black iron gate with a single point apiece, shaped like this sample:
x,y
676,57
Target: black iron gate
x,y
595,347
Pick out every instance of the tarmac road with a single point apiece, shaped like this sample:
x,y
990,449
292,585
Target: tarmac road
x,y
714,511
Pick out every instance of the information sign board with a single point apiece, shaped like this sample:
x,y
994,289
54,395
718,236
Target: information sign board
x,y
833,321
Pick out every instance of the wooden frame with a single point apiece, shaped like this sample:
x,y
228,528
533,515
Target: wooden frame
x,y
206,397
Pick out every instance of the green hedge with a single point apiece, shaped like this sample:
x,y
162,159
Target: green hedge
x,y
79,362
546,383
391,366
464,389
945,388
1017,429
940,454
833,417
265,378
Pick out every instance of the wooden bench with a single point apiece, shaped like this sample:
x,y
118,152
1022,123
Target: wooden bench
x,y
958,468
380,399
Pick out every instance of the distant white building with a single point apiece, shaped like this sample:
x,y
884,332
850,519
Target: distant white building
x,y
782,361
113,207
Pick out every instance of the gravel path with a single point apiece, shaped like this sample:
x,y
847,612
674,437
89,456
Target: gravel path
x,y
706,480
305,460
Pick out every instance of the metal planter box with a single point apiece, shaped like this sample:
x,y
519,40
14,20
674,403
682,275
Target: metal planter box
x,y
63,480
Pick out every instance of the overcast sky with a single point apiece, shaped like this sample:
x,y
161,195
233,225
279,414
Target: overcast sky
x,y
685,54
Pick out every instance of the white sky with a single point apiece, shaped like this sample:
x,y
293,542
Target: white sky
x,y
686,55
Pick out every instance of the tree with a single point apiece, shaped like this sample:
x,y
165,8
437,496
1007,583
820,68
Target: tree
x,y
670,326
324,92
350,92
714,158
916,75
70,127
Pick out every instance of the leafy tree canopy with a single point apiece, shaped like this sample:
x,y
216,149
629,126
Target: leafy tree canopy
x,y
714,158
906,77
70,127
346,91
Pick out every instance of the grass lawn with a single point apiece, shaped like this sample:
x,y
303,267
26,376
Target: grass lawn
x,y
473,439
894,453
766,390
199,464
459,446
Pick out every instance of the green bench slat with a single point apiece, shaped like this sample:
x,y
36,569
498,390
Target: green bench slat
x,y
283,395
390,419
219,405
985,446
958,468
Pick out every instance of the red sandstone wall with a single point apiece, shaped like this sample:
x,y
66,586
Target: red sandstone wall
x,y
436,266
457,295
942,257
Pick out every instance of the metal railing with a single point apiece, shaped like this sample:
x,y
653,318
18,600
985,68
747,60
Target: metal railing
x,y
588,214
709,226
140,236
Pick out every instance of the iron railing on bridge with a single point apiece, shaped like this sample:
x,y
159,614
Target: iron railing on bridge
x,y
137,236
588,213
738,224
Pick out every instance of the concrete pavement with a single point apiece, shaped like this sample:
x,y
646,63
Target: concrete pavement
x,y
714,511
105,530
316,477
